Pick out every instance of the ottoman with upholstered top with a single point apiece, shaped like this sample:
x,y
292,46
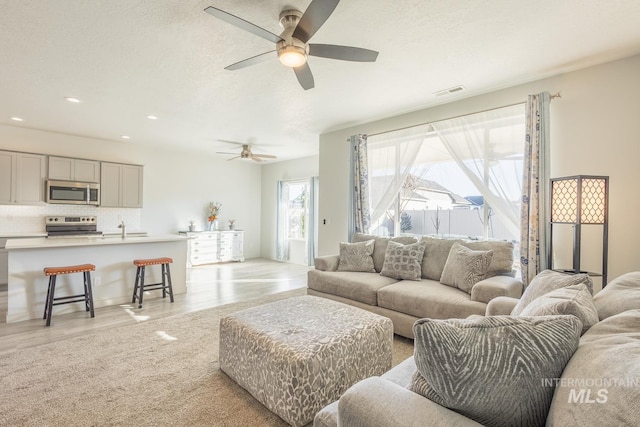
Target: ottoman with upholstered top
x,y
298,355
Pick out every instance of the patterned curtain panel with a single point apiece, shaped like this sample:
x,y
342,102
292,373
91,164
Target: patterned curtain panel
x,y
533,245
361,215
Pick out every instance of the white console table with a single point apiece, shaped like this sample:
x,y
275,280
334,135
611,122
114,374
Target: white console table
x,y
207,247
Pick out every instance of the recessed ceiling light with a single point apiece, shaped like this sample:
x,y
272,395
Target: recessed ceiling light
x,y
151,117
125,137
17,119
71,99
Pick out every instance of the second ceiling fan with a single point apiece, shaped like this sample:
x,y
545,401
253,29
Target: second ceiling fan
x,y
292,45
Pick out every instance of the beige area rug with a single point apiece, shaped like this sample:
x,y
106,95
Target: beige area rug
x,y
163,372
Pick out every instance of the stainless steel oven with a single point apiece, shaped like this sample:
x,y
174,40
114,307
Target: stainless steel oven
x,y
73,193
72,226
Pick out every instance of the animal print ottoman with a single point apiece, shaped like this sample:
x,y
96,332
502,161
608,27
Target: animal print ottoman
x,y
298,355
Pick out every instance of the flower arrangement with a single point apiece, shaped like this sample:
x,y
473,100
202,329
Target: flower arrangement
x,y
214,210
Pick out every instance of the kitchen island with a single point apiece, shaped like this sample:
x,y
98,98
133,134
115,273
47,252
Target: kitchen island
x,y
112,281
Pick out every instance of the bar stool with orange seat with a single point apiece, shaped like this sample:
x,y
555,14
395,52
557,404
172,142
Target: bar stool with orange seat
x,y
87,296
165,285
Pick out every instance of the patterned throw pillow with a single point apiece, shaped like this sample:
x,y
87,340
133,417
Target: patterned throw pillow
x,y
356,256
547,281
403,261
465,267
491,369
575,300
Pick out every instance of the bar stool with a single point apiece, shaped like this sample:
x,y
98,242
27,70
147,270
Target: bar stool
x,y
87,296
165,285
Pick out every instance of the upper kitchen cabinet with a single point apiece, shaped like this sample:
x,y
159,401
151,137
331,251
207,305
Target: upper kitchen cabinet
x,y
120,185
68,169
21,178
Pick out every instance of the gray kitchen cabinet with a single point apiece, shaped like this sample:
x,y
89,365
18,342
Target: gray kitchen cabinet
x,y
21,178
69,169
120,185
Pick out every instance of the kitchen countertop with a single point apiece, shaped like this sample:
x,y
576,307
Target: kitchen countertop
x,y
18,234
43,242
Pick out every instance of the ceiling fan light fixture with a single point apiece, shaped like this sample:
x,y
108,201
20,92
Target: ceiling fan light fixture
x,y
292,56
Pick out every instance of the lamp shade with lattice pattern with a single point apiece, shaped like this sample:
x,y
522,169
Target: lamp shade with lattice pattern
x,y
579,199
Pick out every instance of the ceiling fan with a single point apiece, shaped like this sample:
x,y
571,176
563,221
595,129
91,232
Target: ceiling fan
x,y
247,154
292,46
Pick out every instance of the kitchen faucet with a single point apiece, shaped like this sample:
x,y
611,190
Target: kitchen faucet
x,y
124,229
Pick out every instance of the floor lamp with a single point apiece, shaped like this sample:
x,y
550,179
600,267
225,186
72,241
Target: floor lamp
x,y
580,200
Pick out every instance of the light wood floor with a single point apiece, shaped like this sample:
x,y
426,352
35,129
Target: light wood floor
x,y
207,286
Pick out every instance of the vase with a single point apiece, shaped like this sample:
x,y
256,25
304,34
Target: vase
x,y
213,225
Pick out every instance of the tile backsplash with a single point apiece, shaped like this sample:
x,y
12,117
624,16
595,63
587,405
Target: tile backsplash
x,y
30,219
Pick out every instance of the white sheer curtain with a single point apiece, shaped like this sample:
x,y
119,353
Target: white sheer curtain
x,y
477,143
391,157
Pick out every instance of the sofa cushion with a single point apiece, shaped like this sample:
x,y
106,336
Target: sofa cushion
x,y
435,256
621,294
465,267
356,256
490,369
428,298
502,261
403,261
356,286
575,300
380,246
547,281
437,252
600,385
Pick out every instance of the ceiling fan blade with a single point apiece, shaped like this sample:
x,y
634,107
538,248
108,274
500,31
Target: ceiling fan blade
x,y
224,152
233,158
313,18
255,158
241,23
230,142
345,53
304,76
249,61
265,156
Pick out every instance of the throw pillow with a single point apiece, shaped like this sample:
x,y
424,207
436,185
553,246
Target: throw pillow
x,y
403,261
547,281
380,246
465,267
621,294
356,256
575,300
490,369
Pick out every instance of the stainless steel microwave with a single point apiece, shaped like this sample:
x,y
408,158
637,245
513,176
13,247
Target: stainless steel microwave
x,y
73,193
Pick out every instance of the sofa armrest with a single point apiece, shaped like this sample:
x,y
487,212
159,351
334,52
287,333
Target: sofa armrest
x,y
376,402
327,263
500,306
496,286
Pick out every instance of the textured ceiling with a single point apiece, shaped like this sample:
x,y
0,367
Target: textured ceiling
x,y
126,59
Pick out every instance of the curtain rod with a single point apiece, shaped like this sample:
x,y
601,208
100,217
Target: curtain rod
x,y
552,96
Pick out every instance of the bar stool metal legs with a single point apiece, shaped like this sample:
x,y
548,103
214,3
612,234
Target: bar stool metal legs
x,y
165,284
86,296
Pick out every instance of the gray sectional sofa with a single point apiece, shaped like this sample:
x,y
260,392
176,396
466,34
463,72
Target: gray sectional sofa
x,y
405,301
598,386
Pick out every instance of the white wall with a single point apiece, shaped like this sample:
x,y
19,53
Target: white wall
x,y
302,168
594,131
178,185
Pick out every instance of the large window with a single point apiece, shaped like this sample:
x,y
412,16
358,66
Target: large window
x,y
454,178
